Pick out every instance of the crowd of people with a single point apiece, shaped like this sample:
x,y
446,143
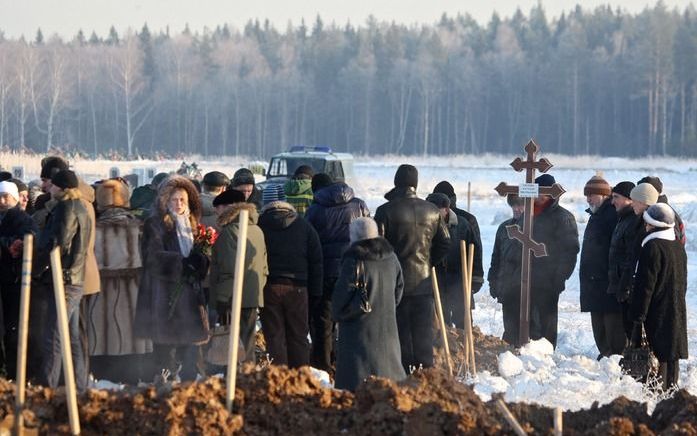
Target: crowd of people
x,y
148,273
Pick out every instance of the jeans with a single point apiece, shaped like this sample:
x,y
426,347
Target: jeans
x,y
52,365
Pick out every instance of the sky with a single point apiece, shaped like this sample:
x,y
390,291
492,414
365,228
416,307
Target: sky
x,y
65,17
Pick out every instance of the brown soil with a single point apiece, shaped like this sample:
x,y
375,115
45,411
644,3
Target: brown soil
x,y
274,400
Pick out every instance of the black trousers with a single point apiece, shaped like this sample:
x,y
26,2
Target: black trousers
x,y
415,325
171,357
284,320
608,331
543,319
10,317
248,327
668,373
322,327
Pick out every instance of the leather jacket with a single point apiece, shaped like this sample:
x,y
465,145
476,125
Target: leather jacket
x,y
418,234
68,226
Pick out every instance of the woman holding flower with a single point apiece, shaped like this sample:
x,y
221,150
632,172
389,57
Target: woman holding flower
x,y
171,309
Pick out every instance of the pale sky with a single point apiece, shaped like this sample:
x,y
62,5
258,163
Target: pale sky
x,y
65,17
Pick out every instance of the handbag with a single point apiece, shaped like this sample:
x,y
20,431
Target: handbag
x,y
218,345
358,303
640,363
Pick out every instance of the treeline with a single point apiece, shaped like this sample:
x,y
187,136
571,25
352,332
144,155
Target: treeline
x,y
598,82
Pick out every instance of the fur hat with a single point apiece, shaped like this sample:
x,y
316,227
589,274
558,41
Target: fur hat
x,y
112,193
273,193
363,228
303,172
173,183
545,180
230,196
321,180
65,179
51,165
653,181
243,176
644,193
597,185
660,215
406,176
9,188
439,199
624,189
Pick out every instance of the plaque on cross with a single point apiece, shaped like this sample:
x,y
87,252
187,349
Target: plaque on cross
x,y
529,191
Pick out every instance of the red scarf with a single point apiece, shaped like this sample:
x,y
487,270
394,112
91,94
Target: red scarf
x,y
541,208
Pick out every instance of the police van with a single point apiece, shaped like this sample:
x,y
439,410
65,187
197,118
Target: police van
x,y
322,159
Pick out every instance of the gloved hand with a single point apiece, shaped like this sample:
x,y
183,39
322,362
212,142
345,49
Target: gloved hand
x,y
636,339
622,295
196,263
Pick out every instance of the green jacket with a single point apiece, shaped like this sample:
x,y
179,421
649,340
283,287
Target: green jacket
x,y
222,272
299,194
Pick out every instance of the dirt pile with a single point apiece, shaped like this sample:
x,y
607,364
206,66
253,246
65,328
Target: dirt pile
x,y
276,400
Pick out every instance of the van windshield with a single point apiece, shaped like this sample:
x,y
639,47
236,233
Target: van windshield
x,y
286,166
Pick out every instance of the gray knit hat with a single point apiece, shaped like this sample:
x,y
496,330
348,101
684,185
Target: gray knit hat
x,y
644,193
660,215
363,228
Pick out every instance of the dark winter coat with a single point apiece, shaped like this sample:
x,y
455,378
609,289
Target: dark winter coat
x,y
594,266
369,344
556,228
162,274
504,272
293,247
659,297
478,267
418,234
69,227
333,209
13,226
208,216
450,269
621,260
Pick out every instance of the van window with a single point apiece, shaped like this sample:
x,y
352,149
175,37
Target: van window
x,y
335,170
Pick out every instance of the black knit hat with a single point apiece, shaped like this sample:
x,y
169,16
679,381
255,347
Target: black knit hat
x,y
51,165
5,176
439,199
65,179
624,188
231,196
545,180
304,172
216,179
446,188
406,176
653,181
321,180
243,176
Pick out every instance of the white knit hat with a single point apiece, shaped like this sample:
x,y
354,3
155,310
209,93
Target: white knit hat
x,y
363,228
9,188
644,193
660,215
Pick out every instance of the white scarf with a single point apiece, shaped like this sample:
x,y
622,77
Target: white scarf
x,y
665,234
185,234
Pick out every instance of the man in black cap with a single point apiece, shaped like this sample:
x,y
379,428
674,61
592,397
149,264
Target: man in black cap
x,y
420,239
68,227
243,181
555,227
213,184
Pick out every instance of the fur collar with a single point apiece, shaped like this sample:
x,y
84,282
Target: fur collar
x,y
277,205
230,215
665,234
370,249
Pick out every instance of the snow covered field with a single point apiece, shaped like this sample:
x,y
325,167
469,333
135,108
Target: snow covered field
x,y
569,377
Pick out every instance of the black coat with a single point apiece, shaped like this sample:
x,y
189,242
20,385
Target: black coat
x,y
13,226
478,267
450,269
504,272
69,227
594,266
659,297
369,344
418,234
293,248
331,212
621,260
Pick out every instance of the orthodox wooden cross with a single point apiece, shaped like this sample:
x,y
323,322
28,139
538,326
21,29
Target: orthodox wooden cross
x,y
529,191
